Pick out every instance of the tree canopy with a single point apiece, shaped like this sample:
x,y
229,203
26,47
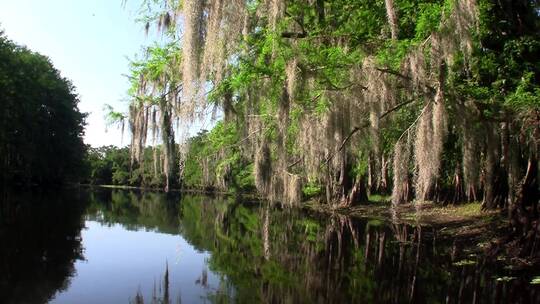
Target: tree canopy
x,y
428,100
41,127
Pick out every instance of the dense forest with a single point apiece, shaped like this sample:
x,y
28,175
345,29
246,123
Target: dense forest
x,y
424,100
319,100
282,151
408,104
41,126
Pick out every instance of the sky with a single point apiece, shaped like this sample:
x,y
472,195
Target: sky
x,y
88,41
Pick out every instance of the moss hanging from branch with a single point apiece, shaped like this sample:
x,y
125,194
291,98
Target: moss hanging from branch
x,y
392,18
315,92
192,42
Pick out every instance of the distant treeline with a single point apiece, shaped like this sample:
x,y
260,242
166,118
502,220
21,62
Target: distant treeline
x,y
111,165
196,169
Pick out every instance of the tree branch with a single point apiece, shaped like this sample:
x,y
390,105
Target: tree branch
x,y
399,106
415,121
294,164
398,74
177,88
238,142
393,72
293,35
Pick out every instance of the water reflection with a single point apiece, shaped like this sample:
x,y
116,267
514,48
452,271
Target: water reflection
x,y
288,256
157,248
159,296
36,256
135,210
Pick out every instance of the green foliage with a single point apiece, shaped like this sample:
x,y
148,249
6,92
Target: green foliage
x,y
311,229
361,166
378,198
428,19
41,127
244,179
307,66
110,165
374,223
392,53
312,190
192,176
526,96
217,152
112,117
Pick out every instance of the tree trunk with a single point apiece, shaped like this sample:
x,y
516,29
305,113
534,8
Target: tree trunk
x,y
458,187
524,210
357,194
168,144
383,187
490,170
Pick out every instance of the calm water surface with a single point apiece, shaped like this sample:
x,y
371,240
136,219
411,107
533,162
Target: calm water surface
x,y
117,246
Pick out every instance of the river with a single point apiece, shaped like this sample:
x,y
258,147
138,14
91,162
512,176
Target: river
x,y
128,246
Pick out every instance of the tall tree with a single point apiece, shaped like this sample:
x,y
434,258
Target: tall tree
x,y
41,127
317,95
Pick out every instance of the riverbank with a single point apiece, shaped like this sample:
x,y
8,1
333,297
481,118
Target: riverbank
x,y
466,224
481,233
209,192
462,220
469,227
280,251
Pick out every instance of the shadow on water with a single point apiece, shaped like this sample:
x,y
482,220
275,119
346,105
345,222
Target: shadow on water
x,y
39,243
258,252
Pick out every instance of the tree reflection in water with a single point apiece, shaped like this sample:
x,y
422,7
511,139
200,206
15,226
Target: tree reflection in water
x,y
40,241
274,255
260,253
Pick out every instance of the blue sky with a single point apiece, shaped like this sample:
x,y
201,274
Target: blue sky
x,y
88,41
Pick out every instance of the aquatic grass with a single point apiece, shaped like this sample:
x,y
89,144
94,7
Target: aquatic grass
x,y
378,198
469,209
462,210
451,212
